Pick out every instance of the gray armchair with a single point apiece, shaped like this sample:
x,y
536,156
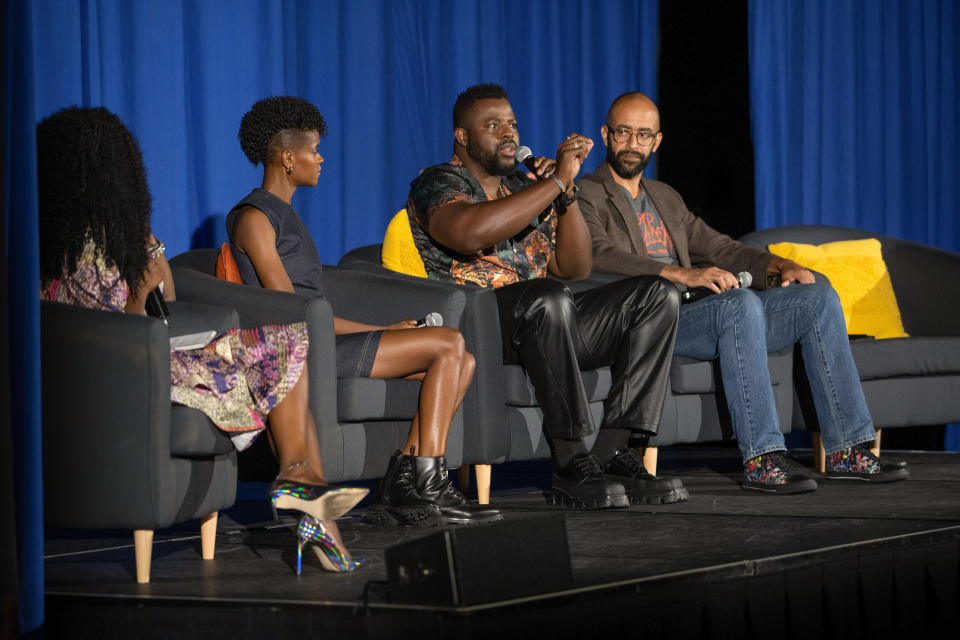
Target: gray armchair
x,y
508,426
911,381
360,421
116,453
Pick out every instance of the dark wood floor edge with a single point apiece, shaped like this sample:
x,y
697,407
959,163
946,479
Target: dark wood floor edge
x,y
739,569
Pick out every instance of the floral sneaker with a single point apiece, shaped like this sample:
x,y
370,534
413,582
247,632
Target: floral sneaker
x,y
773,473
858,463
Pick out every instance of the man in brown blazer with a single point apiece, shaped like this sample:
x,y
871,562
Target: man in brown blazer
x,y
642,227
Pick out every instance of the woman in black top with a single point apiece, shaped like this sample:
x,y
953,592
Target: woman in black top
x,y
273,248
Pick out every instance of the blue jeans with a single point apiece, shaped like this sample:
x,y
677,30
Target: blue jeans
x,y
741,326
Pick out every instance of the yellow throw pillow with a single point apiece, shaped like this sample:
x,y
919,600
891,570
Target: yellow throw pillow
x,y
858,273
398,252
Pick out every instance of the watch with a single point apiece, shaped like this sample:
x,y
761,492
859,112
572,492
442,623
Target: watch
x,y
566,200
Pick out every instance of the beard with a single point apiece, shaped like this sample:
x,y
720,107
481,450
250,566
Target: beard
x,y
616,162
492,163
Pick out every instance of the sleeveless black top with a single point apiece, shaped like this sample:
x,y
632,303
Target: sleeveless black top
x,y
294,245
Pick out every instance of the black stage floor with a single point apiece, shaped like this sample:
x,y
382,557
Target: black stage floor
x,y
850,560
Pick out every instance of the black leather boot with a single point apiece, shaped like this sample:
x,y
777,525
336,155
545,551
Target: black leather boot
x,y
434,484
583,485
642,487
396,500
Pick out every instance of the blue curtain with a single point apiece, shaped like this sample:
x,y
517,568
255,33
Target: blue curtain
x,y
855,117
384,73
22,275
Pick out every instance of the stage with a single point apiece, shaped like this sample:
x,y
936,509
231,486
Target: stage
x,y
848,561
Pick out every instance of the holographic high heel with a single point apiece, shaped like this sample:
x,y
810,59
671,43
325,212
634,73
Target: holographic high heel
x,y
321,501
332,556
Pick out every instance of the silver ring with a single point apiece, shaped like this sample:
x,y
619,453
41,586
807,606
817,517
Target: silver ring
x,y
576,145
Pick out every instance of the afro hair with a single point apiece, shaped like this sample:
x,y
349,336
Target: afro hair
x,y
262,126
92,185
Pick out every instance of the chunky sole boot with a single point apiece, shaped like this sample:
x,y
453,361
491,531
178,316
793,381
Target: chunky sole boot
x,y
642,487
433,483
382,515
577,500
583,485
397,502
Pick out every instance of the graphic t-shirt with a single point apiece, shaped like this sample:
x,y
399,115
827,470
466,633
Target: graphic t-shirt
x,y
655,235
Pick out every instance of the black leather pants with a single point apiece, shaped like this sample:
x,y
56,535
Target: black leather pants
x,y
629,324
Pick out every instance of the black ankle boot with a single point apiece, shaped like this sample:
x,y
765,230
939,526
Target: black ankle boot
x,y
396,500
433,483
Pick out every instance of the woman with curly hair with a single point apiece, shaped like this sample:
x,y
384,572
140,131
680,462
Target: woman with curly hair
x,y
273,249
97,251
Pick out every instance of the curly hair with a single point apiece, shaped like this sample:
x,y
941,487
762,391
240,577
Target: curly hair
x,y
92,185
470,96
266,129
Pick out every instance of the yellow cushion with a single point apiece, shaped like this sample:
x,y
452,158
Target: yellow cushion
x,y
398,252
858,273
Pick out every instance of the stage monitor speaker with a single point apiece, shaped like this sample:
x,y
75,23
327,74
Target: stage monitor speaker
x,y
463,566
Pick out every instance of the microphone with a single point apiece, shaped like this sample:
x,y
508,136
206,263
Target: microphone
x,y
525,156
156,306
744,279
432,320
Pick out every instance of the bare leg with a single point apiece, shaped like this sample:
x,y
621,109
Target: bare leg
x,y
466,377
294,435
437,353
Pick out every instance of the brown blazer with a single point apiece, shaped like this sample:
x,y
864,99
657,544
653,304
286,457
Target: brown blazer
x,y
618,245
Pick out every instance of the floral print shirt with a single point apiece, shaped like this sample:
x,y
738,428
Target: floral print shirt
x,y
522,257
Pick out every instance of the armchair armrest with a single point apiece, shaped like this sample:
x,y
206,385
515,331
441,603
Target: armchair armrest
x,y
189,317
382,299
106,418
257,307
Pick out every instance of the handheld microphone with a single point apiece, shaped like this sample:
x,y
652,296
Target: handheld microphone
x,y
432,320
525,156
744,279
156,306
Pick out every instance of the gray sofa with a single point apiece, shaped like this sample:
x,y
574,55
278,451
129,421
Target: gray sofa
x,y
510,429
907,381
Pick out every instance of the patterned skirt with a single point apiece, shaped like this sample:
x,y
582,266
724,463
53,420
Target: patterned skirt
x,y
239,377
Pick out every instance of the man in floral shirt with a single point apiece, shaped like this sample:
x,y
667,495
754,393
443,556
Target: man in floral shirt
x,y
478,222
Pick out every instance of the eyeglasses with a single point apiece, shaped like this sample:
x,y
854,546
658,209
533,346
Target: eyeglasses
x,y
622,134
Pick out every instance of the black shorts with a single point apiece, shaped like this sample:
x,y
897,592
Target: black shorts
x,y
356,353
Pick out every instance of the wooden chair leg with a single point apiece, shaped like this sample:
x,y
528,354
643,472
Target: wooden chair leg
x,y
875,445
208,535
142,551
463,478
819,458
650,460
483,472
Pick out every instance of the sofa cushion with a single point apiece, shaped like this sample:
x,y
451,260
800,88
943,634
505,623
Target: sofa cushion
x,y
917,356
399,253
193,435
361,399
858,273
519,392
688,375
